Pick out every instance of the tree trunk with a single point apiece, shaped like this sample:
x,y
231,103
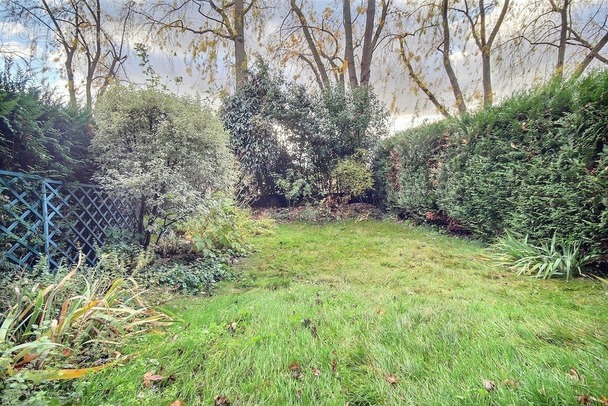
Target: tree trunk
x,y
144,234
349,53
240,55
311,43
590,56
563,38
69,71
485,44
460,104
368,50
488,94
442,109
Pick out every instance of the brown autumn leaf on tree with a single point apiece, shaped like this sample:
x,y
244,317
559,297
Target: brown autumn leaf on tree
x,y
151,377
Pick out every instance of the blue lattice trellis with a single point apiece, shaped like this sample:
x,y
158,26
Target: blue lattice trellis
x,y
46,217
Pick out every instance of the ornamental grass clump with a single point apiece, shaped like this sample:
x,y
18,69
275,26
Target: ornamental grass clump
x,y
553,259
68,329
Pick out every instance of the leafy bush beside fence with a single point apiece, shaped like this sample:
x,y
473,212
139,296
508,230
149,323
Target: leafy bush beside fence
x,y
537,165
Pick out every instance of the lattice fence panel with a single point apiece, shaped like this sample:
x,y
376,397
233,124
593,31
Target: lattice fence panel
x,y
46,217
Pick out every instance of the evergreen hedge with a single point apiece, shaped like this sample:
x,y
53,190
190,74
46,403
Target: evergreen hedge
x,y
535,165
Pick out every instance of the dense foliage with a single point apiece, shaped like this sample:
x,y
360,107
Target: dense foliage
x,y
290,140
197,252
39,134
537,166
164,152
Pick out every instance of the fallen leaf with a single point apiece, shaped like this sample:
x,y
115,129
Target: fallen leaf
x,y
575,376
603,400
178,403
584,400
511,383
294,367
316,371
392,379
150,377
489,385
175,337
310,325
334,365
221,400
299,393
232,327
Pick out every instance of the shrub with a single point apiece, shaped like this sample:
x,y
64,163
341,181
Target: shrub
x,y
161,151
352,178
294,186
536,165
290,140
223,229
38,134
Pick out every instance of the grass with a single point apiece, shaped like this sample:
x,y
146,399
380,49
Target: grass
x,y
366,313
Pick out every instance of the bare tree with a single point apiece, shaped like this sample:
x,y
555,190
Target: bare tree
x,y
484,37
445,50
577,30
210,23
427,26
406,57
91,39
332,48
318,67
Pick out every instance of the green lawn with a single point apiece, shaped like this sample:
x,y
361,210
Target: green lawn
x,y
365,313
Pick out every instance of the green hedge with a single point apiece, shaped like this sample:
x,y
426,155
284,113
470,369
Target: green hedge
x,y
535,165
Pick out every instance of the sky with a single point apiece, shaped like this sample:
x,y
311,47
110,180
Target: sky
x,y
409,107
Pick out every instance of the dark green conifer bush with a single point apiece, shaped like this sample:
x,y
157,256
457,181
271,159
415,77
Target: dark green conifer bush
x,y
536,165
